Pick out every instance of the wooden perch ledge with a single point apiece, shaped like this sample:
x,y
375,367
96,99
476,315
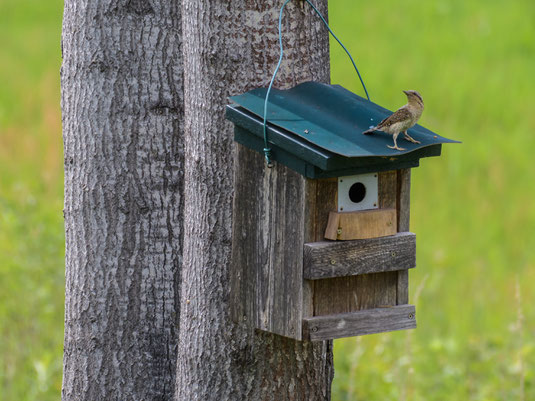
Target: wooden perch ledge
x,y
348,258
369,321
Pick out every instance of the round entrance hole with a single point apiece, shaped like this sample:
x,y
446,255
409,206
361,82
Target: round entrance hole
x,y
357,192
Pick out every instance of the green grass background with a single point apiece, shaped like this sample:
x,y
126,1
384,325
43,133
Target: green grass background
x,y
472,208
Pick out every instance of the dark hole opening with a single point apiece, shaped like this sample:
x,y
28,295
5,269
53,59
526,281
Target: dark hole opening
x,y
357,192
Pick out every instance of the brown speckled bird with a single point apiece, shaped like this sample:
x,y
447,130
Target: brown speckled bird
x,y
403,119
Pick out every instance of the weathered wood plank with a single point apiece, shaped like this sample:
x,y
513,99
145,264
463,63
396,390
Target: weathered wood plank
x,y
387,186
403,287
320,200
348,258
335,295
403,208
311,205
269,225
404,199
333,224
370,321
353,293
326,202
361,225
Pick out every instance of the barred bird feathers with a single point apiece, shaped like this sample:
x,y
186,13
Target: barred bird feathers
x,y
403,119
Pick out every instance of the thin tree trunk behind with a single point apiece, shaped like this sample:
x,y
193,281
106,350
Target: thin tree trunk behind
x,y
122,102
231,47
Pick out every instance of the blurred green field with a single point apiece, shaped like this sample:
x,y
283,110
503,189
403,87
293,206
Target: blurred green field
x,y
472,208
31,191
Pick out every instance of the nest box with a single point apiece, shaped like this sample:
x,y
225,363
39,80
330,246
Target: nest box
x,y
321,243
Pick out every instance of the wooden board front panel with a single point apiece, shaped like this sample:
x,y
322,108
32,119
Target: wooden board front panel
x,y
361,225
269,229
403,208
349,294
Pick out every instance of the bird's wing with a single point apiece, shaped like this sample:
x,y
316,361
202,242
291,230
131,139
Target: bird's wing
x,y
401,115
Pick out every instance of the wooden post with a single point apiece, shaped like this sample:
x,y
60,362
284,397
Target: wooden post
x,y
231,47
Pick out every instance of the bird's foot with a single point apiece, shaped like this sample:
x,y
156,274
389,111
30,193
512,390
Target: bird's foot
x,y
411,139
395,147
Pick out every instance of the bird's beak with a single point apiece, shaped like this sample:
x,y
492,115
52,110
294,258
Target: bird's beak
x,y
406,92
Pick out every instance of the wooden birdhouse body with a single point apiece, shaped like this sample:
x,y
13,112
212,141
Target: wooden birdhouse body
x,y
286,277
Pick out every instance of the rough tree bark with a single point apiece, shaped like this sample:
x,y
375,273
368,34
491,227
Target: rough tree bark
x,y
231,47
122,103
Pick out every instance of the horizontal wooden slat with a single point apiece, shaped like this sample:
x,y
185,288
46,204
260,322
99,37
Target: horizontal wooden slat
x,y
362,224
369,321
349,258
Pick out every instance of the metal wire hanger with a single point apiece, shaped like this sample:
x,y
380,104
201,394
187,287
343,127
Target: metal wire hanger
x,y
267,149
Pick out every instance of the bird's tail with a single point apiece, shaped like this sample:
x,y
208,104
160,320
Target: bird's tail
x,y
370,131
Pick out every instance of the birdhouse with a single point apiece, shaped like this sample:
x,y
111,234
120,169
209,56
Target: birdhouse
x,y
321,242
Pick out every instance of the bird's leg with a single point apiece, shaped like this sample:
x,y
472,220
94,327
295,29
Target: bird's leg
x,y
410,138
395,143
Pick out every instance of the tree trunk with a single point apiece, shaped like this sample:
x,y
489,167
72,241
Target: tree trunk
x,y
122,102
231,47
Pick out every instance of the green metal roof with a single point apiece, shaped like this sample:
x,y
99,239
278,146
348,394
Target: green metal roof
x,y
317,128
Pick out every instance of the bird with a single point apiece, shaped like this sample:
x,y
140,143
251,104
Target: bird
x,y
403,119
